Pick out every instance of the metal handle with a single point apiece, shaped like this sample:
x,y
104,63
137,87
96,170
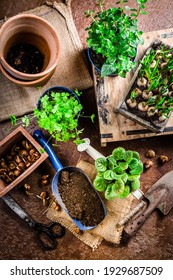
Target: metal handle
x,y
131,213
38,135
89,149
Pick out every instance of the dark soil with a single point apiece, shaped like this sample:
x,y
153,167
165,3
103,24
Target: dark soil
x,y
25,58
97,59
80,199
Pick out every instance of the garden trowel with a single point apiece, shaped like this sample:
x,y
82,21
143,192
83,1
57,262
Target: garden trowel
x,y
159,196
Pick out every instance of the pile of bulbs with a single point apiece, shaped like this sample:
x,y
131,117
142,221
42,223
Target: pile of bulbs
x,y
19,158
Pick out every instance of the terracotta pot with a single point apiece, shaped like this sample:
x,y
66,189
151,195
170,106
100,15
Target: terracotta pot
x,y
34,30
33,83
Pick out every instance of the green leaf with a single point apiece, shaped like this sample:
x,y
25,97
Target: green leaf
x,y
124,177
26,121
118,170
123,165
101,164
92,118
133,163
119,186
111,162
13,119
42,151
133,177
109,175
135,185
99,184
138,169
108,69
128,156
118,153
110,192
136,155
125,193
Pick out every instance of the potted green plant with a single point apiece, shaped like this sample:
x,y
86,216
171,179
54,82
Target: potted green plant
x,y
57,112
113,37
118,174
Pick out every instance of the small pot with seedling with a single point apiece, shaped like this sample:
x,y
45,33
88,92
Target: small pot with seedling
x,y
118,174
58,111
113,37
149,100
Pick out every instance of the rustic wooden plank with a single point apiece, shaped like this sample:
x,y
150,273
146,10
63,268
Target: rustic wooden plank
x,y
110,90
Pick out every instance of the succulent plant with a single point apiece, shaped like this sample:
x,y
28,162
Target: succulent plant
x,y
118,174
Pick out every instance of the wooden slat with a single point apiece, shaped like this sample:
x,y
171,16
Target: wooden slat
x,y
110,90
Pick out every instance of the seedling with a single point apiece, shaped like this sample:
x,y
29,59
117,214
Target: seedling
x,y
118,174
58,113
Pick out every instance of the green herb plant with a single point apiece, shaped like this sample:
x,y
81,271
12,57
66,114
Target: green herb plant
x,y
58,113
113,34
118,174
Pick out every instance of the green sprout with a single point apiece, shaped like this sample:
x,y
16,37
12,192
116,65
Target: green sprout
x,y
58,113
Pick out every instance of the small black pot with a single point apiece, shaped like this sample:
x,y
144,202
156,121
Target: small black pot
x,y
89,52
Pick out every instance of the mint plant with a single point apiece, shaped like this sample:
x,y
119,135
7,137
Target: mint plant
x,y
118,174
58,113
113,35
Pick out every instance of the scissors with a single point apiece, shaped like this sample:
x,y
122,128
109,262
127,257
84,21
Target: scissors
x,y
46,234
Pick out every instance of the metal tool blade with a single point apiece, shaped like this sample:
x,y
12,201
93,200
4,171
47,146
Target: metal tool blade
x,y
16,208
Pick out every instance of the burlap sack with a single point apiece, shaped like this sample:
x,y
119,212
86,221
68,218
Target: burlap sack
x,y
117,209
71,72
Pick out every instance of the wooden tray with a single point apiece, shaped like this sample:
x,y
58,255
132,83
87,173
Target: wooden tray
x,y
5,146
123,109
109,92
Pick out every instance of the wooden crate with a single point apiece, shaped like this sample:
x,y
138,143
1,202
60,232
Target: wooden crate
x,y
110,90
5,146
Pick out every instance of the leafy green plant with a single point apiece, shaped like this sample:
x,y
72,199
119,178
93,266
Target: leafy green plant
x,y
58,113
118,174
113,34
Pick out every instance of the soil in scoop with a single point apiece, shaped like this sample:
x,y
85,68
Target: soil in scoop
x,y
25,58
80,199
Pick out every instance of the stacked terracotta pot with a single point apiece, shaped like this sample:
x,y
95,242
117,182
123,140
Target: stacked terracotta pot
x,y
29,29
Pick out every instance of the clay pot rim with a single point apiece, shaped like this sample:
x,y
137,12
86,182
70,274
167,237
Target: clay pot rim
x,y
31,83
27,76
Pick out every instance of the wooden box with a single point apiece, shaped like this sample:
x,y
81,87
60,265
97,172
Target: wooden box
x,y
6,145
132,114
109,91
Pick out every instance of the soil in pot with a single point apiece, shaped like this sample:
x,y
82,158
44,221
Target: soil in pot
x,y
25,58
97,59
81,201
